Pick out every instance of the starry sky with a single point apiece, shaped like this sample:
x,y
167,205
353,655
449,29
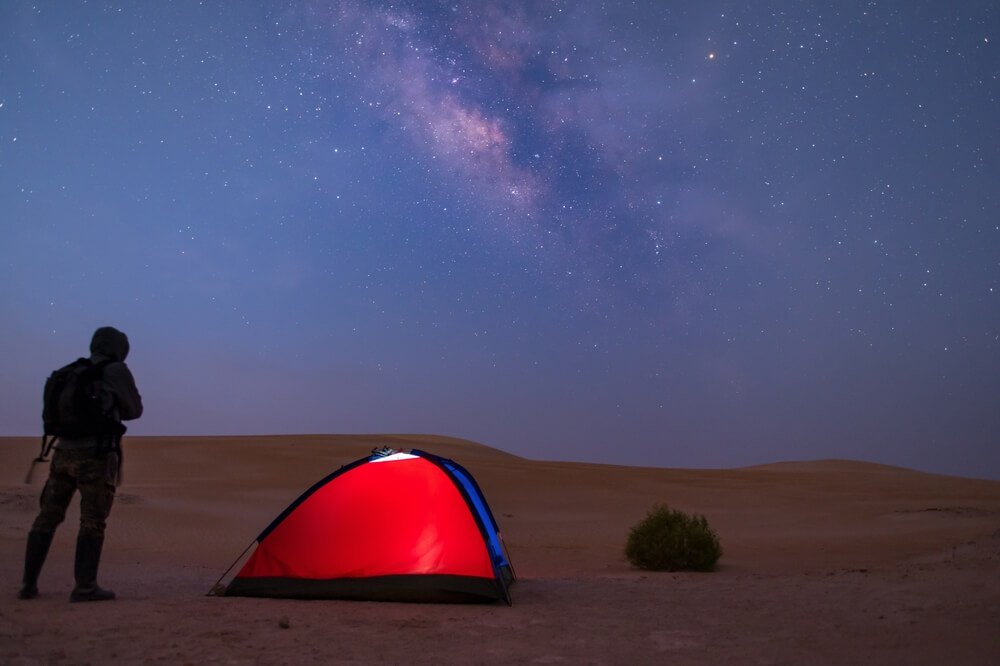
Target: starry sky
x,y
660,233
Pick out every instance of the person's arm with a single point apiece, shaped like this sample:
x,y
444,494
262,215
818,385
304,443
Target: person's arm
x,y
127,399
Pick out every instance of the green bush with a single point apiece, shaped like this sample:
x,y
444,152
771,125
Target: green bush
x,y
669,540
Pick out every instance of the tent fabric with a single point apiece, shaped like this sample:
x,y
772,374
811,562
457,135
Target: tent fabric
x,y
392,526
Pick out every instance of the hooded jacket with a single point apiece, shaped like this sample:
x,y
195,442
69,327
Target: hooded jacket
x,y
110,343
120,398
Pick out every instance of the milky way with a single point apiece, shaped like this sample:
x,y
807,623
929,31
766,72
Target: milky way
x,y
519,110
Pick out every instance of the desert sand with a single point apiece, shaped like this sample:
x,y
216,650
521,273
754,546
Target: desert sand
x,y
829,562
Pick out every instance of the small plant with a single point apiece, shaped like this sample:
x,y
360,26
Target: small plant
x,y
669,540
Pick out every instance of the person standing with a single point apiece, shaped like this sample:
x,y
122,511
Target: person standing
x,y
92,465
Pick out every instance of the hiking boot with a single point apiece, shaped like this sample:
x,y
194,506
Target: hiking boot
x,y
88,557
34,557
27,591
94,593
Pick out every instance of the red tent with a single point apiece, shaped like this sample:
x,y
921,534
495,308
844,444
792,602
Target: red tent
x,y
391,526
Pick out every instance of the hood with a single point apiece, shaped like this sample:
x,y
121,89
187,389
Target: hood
x,y
111,342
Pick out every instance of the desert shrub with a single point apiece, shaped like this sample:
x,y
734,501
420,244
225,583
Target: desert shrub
x,y
669,540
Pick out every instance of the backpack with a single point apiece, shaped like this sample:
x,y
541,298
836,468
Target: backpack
x,y
71,408
71,405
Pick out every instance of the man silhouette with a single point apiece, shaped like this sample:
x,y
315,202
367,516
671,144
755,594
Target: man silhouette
x,y
92,465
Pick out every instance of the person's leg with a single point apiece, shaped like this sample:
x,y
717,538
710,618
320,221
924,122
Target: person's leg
x,y
96,498
55,498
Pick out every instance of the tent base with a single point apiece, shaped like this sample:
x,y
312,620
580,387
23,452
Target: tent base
x,y
435,588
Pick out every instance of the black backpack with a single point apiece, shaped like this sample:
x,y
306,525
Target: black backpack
x,y
71,406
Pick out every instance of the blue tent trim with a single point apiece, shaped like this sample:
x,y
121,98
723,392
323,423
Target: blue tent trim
x,y
473,495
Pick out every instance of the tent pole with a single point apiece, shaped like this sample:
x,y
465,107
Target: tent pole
x,y
215,591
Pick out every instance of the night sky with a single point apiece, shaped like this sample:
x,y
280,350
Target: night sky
x,y
653,233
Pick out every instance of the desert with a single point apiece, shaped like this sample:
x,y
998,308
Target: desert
x,y
825,562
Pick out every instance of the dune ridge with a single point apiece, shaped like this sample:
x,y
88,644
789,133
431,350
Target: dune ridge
x,y
824,562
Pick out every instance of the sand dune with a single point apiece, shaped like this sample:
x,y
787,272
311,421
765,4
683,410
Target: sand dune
x,y
825,562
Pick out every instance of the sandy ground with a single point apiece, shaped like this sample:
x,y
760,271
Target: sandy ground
x,y
829,562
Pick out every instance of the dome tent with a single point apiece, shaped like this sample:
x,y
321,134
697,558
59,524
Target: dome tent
x,y
393,526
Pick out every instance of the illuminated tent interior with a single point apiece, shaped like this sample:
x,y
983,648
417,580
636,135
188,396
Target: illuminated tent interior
x,y
393,526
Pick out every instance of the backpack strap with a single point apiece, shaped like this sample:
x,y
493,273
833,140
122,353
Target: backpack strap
x,y
47,443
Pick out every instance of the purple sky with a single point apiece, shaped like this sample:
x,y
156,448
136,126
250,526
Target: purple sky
x,y
671,234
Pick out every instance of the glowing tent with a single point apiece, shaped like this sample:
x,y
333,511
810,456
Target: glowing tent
x,y
392,526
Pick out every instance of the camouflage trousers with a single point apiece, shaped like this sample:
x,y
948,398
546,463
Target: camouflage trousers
x,y
72,470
